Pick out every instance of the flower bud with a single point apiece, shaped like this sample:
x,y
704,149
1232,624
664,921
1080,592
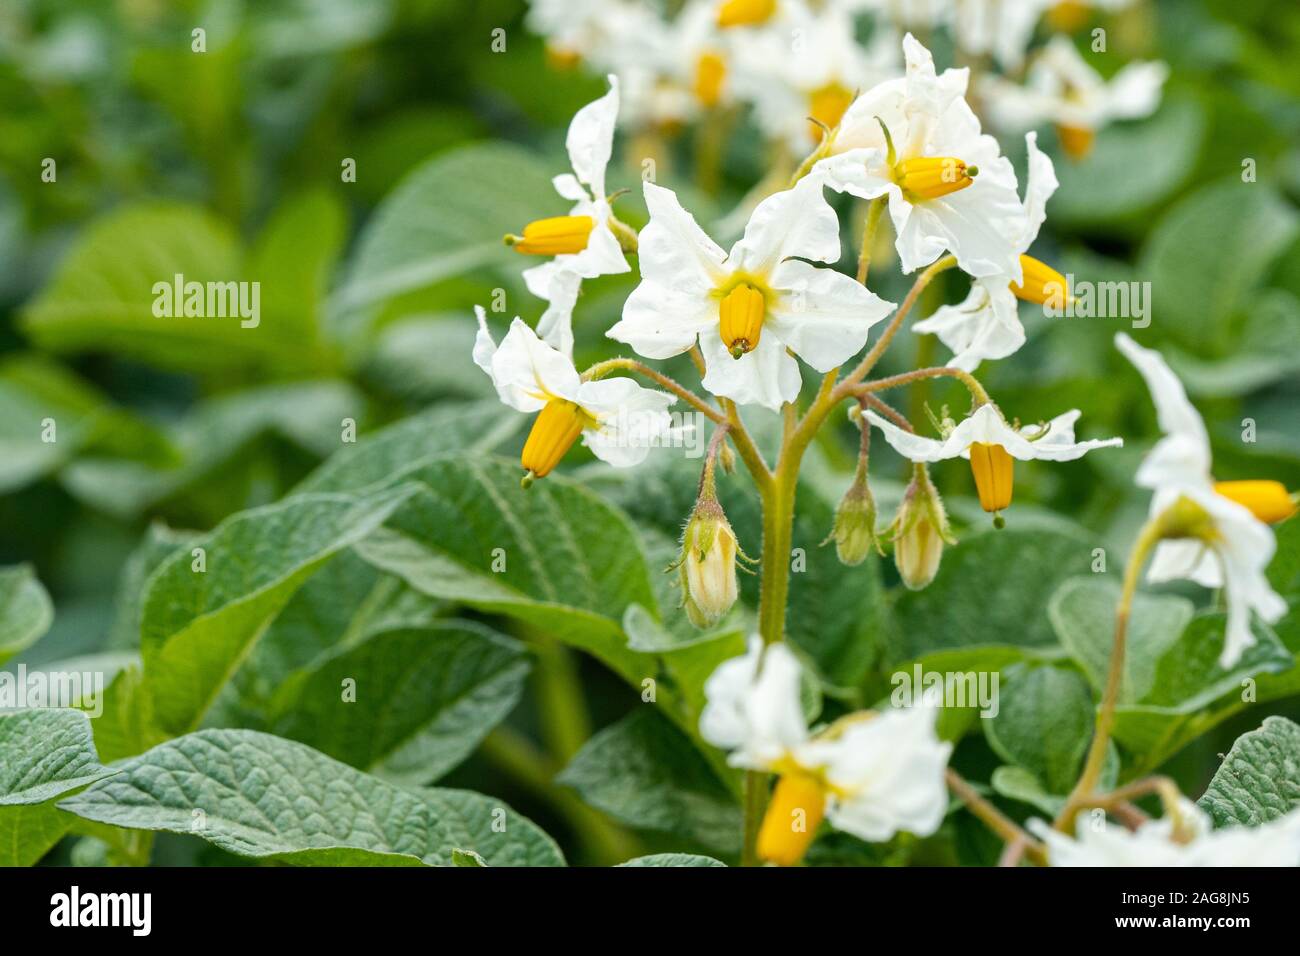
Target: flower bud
x,y
920,531
855,525
708,564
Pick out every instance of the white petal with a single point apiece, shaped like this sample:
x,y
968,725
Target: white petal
x,y
633,419
860,172
986,325
673,250
555,327
567,185
755,714
591,139
1183,455
796,222
767,376
981,225
823,316
1040,184
527,372
660,322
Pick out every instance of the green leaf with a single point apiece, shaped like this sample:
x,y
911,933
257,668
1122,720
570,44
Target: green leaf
x,y
1133,167
448,217
1259,779
1284,569
197,626
992,590
48,417
1208,253
398,361
554,556
264,797
422,699
26,612
217,434
1173,688
159,542
645,773
1044,723
1267,351
43,755
673,859
102,294
472,427
466,858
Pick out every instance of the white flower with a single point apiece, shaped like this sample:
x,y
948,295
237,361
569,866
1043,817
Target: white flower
x,y
948,185
746,308
583,242
1161,843
617,418
870,774
986,325
998,27
992,445
1051,442
1061,88
756,715
885,774
1240,545
808,63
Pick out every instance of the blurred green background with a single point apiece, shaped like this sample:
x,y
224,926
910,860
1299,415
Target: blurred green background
x,y
230,163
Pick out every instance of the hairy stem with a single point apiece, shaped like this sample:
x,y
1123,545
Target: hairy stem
x,y
992,817
874,210
601,369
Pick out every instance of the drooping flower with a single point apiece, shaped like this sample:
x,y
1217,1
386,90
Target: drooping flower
x,y
1184,838
617,419
1228,543
583,243
986,325
869,774
916,140
1062,89
992,445
746,308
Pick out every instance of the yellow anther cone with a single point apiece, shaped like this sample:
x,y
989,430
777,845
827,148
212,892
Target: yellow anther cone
x,y
1041,284
738,13
930,177
1076,140
555,429
740,319
1269,501
796,810
994,472
559,235
710,75
827,106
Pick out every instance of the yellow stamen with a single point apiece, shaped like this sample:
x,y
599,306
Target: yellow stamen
x,y
741,319
827,106
737,13
558,58
792,818
994,472
1068,16
1076,140
559,235
1041,284
555,429
1268,501
929,177
710,74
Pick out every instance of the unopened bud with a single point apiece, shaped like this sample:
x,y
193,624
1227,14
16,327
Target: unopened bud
x,y
855,525
708,564
920,531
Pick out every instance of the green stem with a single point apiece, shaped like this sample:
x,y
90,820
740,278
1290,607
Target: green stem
x,y
1084,790
601,369
561,710
874,211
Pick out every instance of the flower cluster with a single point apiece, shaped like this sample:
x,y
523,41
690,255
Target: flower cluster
x,y
879,125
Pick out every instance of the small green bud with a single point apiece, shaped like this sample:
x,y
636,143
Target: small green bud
x,y
708,564
854,530
920,531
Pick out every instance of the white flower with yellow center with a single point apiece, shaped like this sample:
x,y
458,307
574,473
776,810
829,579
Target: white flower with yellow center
x,y
618,419
869,774
1000,28
992,446
1183,839
986,325
803,69
1062,89
1231,542
583,243
747,307
915,140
